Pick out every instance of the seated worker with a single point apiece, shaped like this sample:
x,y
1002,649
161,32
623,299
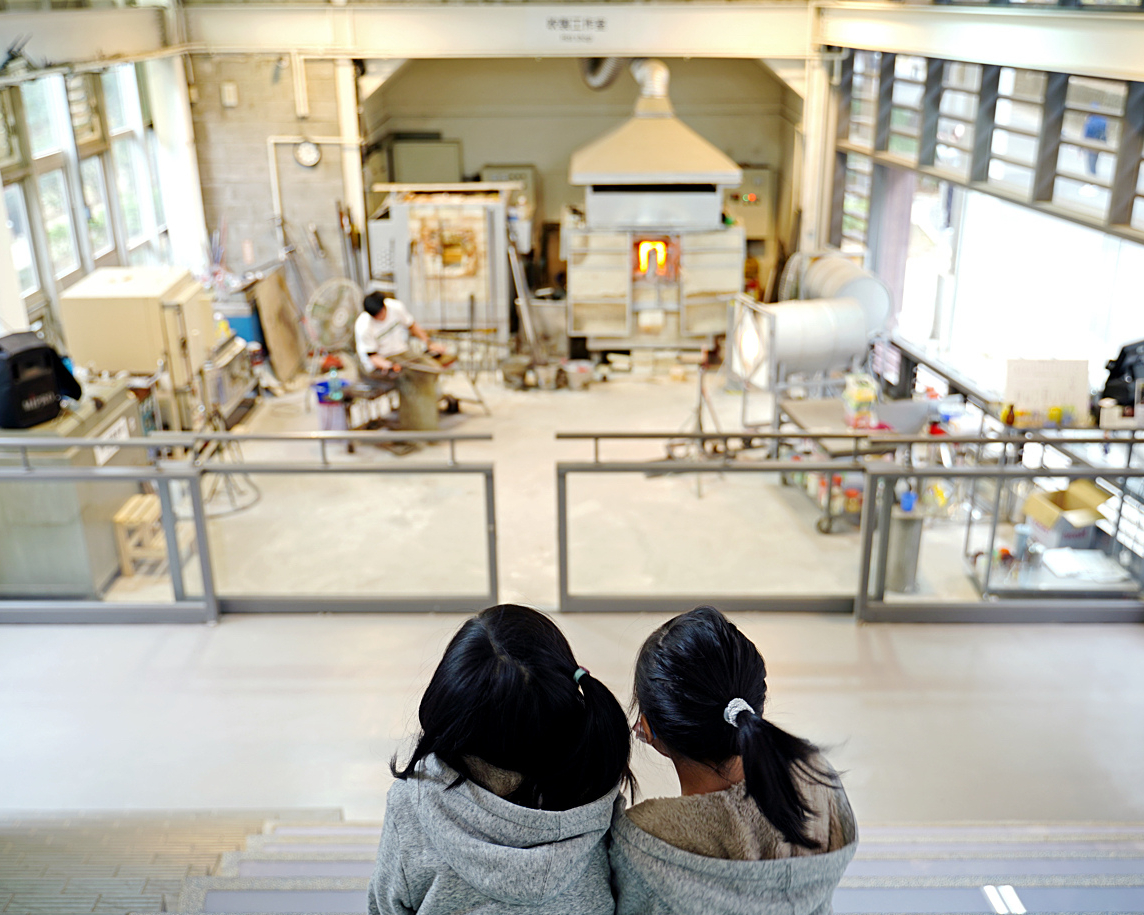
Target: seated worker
x,y
381,333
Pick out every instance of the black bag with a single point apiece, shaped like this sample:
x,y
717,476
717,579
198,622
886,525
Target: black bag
x,y
33,377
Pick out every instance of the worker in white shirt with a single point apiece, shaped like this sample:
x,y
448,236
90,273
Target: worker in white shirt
x,y
381,335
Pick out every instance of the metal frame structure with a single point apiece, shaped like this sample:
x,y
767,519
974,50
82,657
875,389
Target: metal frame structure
x,y
570,602
870,604
874,527
194,467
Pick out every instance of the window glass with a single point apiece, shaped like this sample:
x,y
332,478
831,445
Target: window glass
x,y
863,97
1015,177
908,95
952,158
1019,115
9,140
903,145
1100,95
44,111
22,254
1015,146
131,186
908,67
1138,214
1024,85
962,76
958,104
58,223
955,133
1078,194
95,198
153,160
113,100
929,263
81,104
1085,163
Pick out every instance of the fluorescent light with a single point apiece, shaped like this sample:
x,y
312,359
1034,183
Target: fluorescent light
x,y
995,900
1009,895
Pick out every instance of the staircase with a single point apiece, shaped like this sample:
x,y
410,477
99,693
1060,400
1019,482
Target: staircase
x,y
316,863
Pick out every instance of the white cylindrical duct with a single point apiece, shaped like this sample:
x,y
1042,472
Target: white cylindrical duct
x,y
838,277
652,75
816,334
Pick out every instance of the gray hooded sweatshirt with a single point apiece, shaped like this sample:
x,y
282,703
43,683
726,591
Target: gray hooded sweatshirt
x,y
655,877
465,849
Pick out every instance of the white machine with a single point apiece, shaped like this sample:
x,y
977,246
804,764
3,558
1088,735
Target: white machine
x,y
142,320
650,260
444,249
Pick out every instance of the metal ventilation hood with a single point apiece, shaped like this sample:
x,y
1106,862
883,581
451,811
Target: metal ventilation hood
x,y
654,147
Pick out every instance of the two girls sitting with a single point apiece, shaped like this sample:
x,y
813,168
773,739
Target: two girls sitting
x,y
507,800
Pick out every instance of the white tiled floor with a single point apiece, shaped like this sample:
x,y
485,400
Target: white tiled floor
x,y
929,722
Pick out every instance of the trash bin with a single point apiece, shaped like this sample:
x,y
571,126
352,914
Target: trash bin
x,y
902,551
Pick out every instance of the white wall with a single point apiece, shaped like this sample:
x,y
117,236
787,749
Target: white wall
x,y
539,111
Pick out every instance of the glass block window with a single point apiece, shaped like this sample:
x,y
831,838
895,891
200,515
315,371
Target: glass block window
x,y
856,202
906,107
1090,134
957,116
1017,130
864,98
83,108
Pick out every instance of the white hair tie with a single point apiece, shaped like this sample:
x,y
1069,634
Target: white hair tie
x,y
735,708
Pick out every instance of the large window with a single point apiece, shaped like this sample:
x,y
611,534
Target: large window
x,y
1018,197
80,182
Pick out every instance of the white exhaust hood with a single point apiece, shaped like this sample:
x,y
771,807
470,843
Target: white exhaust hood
x,y
654,147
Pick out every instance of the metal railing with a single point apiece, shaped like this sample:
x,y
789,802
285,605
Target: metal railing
x,y
869,597
180,467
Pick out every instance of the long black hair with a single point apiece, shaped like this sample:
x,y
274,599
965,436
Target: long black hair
x,y
687,672
507,692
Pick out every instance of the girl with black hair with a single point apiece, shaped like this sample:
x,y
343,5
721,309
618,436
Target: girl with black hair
x,y
762,824
505,801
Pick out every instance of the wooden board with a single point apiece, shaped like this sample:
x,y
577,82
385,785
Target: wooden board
x,y
279,318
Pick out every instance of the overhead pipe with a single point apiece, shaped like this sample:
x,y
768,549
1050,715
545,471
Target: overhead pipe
x,y
600,72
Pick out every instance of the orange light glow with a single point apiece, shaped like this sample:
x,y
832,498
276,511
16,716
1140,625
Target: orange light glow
x,y
645,250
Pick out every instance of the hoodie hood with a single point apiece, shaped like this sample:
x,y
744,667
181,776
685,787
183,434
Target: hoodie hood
x,y
513,854
689,884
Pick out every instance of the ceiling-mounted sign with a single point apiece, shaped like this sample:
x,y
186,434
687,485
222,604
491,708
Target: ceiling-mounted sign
x,y
571,30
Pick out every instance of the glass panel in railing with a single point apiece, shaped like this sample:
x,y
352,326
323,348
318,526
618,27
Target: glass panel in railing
x,y
94,540
360,535
742,534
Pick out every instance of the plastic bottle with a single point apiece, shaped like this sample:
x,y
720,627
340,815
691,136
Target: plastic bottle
x,y
334,383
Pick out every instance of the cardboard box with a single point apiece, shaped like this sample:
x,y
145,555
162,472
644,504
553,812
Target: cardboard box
x,y
1067,517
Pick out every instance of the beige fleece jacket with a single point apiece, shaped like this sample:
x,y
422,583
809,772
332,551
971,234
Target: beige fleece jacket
x,y
729,825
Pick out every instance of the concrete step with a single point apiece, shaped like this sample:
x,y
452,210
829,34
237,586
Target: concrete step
x,y
361,830
274,894
976,899
309,844
114,863
296,864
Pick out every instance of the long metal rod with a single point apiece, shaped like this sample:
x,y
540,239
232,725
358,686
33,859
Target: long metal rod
x,y
491,529
562,535
885,518
171,535
866,532
202,541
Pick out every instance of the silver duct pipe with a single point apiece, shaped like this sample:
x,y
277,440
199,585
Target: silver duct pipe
x,y
600,72
652,75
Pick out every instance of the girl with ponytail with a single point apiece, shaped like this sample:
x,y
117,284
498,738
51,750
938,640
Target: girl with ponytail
x,y
763,823
505,801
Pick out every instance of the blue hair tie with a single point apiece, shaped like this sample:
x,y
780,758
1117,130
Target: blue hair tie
x,y
580,671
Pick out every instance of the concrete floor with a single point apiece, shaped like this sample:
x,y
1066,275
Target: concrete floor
x,y
931,723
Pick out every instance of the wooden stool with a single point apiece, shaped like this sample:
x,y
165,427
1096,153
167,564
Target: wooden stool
x,y
139,532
